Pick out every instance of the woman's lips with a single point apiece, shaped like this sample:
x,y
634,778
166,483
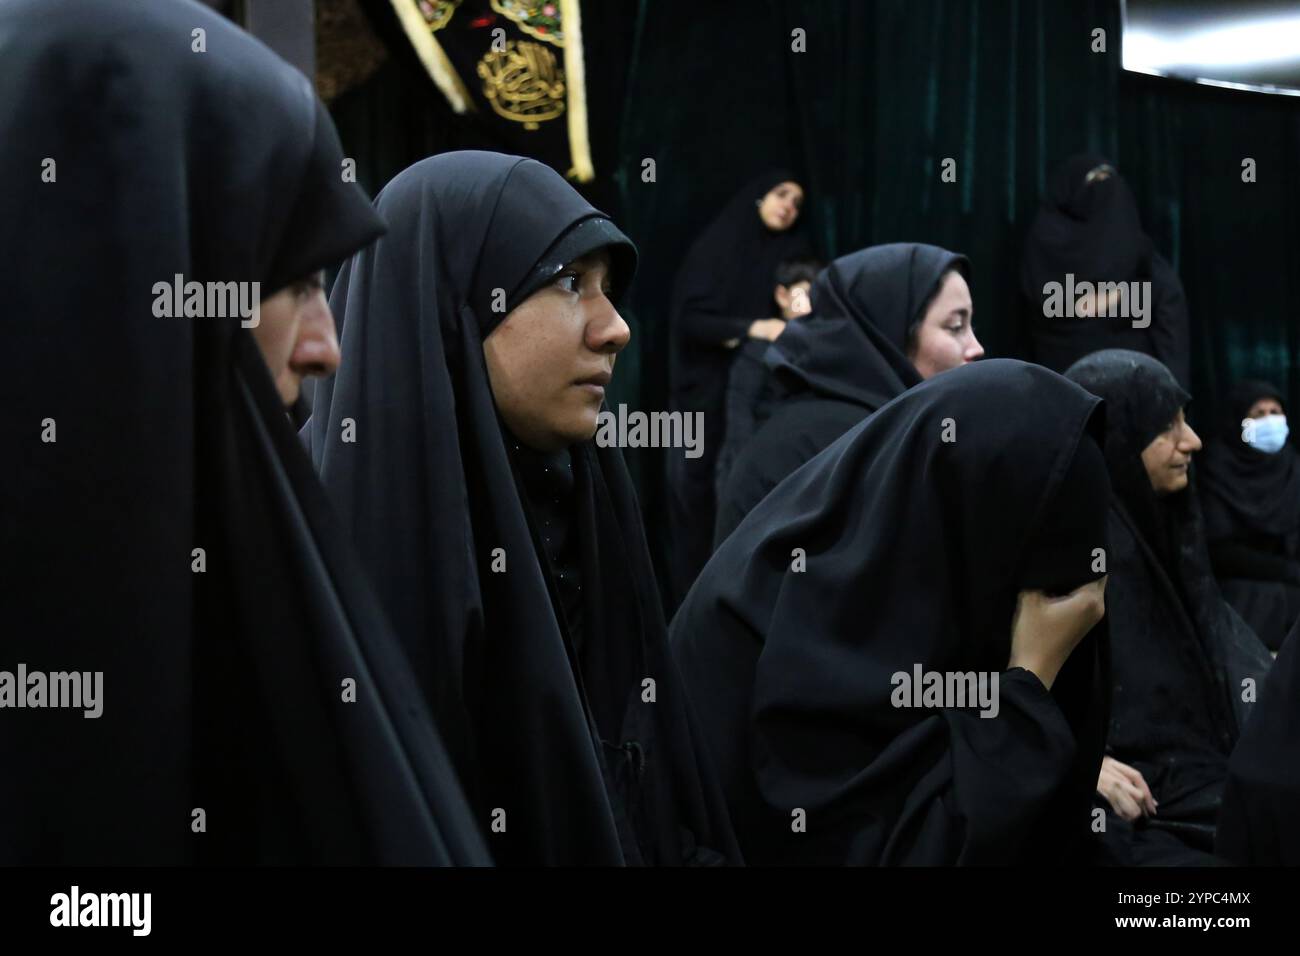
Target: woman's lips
x,y
595,384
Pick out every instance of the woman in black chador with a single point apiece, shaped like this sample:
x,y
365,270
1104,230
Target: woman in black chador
x,y
884,318
1088,227
1180,653
1249,478
722,295
161,524
954,532
457,438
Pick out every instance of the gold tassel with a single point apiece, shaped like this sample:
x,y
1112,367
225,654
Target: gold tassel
x,y
433,56
576,82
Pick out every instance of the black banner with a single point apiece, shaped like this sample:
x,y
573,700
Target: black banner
x,y
518,65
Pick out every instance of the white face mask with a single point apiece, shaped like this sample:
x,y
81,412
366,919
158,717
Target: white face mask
x,y
1267,434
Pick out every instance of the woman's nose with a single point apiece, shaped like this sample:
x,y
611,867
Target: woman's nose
x,y
317,350
608,332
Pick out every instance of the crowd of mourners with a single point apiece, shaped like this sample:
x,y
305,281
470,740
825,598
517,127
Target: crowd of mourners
x,y
363,588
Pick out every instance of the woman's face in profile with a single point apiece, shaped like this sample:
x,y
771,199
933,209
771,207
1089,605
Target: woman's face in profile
x,y
946,337
550,359
296,335
1168,456
779,209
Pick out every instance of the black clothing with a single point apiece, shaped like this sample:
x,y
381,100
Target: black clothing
x,y
1179,652
726,282
748,403
1251,501
171,534
1093,232
1258,821
549,488
834,367
799,426
567,754
891,549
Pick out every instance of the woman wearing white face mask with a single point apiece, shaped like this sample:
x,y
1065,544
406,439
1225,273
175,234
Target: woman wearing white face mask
x,y
1250,489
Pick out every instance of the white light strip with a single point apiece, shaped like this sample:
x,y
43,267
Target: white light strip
x,y
1252,43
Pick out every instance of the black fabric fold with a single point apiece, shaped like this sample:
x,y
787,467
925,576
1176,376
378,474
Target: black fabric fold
x,y
890,549
1257,821
223,668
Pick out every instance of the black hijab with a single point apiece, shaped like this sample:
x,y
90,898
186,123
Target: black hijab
x,y
731,268
727,281
1245,489
223,683
915,550
1092,231
1142,400
1180,652
854,344
554,727
1089,229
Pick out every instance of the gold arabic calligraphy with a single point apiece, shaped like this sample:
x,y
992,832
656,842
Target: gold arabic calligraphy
x,y
523,83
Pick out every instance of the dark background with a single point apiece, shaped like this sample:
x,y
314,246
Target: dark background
x,y
886,90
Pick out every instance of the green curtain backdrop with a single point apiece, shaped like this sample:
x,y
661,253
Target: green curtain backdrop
x,y
887,90
712,91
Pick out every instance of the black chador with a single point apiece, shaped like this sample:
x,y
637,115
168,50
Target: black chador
x,y
725,283
519,582
1251,499
1087,230
1180,653
905,543
164,527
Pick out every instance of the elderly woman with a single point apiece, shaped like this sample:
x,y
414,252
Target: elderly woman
x,y
1180,654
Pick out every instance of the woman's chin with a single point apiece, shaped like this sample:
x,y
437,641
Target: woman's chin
x,y
580,428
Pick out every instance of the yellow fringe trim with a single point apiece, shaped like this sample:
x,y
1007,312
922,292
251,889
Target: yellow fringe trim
x,y
433,56
575,78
